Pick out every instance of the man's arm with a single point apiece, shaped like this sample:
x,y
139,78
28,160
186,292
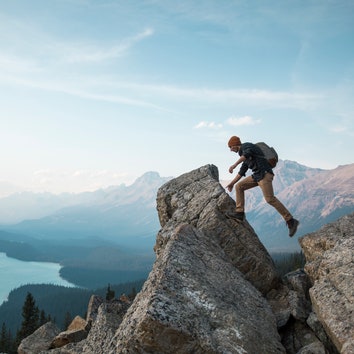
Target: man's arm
x,y
232,167
230,186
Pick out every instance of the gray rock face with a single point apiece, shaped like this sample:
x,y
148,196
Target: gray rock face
x,y
197,198
298,338
321,334
291,298
108,319
92,309
105,318
330,266
39,340
196,301
298,296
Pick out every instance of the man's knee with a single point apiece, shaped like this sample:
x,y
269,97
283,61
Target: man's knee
x,y
270,199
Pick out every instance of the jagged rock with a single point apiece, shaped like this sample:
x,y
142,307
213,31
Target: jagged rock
x,y
39,340
78,323
298,296
76,332
298,281
321,334
67,337
197,198
196,301
291,298
300,307
279,301
92,310
297,338
109,317
102,326
330,266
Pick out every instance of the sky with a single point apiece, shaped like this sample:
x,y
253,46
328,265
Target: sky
x,y
95,93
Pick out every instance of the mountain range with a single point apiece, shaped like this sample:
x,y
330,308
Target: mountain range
x,y
318,198
126,217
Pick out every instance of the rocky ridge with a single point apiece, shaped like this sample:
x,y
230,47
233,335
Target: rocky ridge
x,y
330,267
214,289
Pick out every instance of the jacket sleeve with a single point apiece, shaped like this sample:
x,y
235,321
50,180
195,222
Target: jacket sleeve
x,y
243,169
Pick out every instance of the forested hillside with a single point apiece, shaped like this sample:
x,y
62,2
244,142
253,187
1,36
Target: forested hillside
x,y
59,302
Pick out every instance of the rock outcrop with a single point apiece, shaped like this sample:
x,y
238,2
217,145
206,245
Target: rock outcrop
x,y
214,288
109,317
330,265
39,340
197,198
196,301
76,332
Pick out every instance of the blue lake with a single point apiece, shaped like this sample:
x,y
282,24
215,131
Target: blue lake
x,y
14,273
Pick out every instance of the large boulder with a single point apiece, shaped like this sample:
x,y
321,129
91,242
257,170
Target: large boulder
x,y
39,340
329,256
197,198
201,295
196,301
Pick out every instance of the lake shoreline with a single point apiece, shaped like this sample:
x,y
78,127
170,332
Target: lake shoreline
x,y
16,272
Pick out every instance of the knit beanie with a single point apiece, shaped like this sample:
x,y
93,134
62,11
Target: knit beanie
x,y
234,140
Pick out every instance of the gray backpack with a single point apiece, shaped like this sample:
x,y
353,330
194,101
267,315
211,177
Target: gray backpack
x,y
269,153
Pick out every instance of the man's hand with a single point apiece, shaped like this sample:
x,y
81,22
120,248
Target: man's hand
x,y
230,186
240,160
231,168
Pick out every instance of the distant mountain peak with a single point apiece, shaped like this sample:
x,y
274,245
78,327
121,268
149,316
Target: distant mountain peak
x,y
150,175
150,178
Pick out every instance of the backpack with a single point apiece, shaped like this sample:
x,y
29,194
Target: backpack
x,y
269,153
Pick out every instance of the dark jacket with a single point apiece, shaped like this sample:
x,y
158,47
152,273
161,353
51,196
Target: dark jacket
x,y
255,161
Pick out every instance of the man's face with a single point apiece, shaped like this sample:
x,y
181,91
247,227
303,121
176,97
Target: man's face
x,y
234,148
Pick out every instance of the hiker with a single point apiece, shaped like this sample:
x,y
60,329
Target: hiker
x,y
252,157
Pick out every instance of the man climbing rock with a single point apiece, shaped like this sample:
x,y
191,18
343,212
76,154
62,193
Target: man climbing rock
x,y
252,157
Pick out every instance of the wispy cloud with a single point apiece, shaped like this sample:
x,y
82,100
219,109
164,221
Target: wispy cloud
x,y
241,121
342,127
209,125
43,49
155,96
49,56
256,97
92,52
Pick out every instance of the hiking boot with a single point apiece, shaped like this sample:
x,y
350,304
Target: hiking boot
x,y
292,225
238,215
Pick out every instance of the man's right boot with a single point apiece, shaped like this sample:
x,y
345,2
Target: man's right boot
x,y
236,215
292,225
